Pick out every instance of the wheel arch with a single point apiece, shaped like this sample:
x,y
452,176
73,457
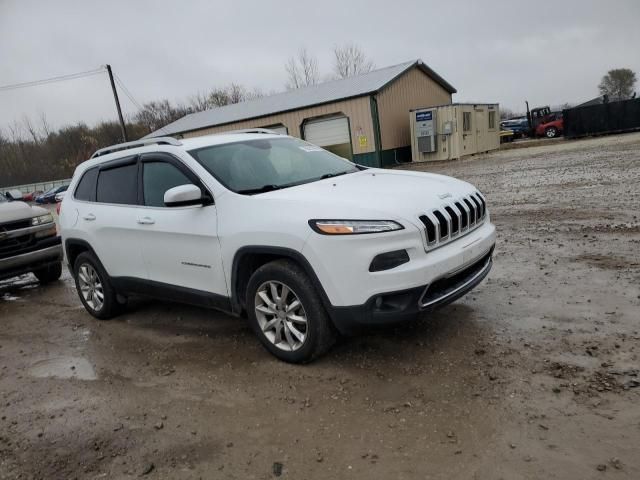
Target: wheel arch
x,y
248,259
74,247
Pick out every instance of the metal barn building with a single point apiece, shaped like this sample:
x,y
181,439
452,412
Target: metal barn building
x,y
446,132
362,118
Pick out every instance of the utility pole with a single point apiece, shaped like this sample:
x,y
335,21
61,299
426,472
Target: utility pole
x,y
115,97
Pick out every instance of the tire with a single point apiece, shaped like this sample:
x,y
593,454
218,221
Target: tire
x,y
49,274
551,132
86,270
318,333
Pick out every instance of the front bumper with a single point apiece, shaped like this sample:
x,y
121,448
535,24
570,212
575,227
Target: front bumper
x,y
45,252
400,306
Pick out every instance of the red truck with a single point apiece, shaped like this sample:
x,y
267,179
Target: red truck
x,y
551,127
544,123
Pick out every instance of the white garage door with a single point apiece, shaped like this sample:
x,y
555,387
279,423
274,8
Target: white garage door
x,y
327,132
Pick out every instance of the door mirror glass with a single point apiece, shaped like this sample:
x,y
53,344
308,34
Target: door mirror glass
x,y
183,195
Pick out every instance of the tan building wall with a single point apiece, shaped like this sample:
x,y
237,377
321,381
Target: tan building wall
x,y
414,89
358,110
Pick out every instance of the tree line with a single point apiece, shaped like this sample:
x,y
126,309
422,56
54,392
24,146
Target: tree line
x,y
32,151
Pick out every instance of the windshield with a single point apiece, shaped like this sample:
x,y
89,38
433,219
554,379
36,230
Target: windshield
x,y
256,166
2,198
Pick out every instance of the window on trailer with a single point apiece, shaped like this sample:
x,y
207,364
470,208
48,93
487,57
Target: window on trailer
x,y
492,120
466,121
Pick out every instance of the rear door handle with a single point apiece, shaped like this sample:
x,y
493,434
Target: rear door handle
x,y
146,221
90,217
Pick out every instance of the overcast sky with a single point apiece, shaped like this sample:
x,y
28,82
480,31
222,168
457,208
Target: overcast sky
x,y
506,52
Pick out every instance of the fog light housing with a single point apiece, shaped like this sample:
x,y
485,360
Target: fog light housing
x,y
389,260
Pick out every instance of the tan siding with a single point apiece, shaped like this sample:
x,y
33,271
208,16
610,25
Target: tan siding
x,y
358,110
414,89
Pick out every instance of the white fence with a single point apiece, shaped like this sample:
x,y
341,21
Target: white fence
x,y
38,186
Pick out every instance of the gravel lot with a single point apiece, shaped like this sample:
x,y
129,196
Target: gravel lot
x,y
534,375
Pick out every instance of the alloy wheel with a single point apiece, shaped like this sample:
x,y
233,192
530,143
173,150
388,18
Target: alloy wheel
x,y
281,316
91,286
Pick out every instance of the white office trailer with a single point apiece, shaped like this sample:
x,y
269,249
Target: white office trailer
x,y
447,132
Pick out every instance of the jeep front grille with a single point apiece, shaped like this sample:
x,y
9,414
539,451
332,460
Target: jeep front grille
x,y
454,219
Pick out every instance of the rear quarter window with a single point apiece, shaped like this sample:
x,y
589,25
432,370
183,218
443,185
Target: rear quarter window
x,y
86,189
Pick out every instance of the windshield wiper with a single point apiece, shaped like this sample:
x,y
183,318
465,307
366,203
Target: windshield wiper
x,y
331,175
262,189
271,187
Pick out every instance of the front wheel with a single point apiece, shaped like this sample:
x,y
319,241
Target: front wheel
x,y
94,289
551,132
287,314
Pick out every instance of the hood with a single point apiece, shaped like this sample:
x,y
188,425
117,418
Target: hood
x,y
13,211
389,194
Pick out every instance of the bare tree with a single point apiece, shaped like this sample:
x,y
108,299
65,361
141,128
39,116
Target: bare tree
x,y
44,125
157,114
254,94
618,84
15,132
31,130
218,97
221,96
302,70
350,60
236,93
199,102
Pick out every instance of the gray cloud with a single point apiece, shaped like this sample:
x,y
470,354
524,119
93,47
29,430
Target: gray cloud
x,y
490,51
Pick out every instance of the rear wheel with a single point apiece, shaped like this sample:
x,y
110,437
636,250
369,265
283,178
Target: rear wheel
x,y
287,314
94,289
49,274
551,132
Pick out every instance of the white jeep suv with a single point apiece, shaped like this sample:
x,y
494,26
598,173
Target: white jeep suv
x,y
303,242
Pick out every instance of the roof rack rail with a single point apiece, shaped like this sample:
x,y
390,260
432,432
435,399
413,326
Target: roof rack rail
x,y
137,143
252,130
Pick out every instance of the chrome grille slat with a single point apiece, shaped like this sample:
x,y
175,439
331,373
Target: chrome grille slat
x,y
436,224
454,216
453,219
465,215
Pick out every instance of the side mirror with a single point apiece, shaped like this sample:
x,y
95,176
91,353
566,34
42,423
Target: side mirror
x,y
183,195
14,195
60,196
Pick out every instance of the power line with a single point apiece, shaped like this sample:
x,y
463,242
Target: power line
x,y
44,81
133,100
127,92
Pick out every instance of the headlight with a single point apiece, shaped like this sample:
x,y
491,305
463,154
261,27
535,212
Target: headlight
x,y
42,219
353,227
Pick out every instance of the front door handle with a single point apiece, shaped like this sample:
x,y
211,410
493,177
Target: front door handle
x,y
146,221
90,217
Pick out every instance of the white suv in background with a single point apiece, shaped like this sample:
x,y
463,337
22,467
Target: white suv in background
x,y
303,242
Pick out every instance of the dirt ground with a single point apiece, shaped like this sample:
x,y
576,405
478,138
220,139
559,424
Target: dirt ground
x,y
533,375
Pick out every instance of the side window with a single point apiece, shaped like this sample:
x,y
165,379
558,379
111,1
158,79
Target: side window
x,y
118,185
86,189
466,121
157,178
492,120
